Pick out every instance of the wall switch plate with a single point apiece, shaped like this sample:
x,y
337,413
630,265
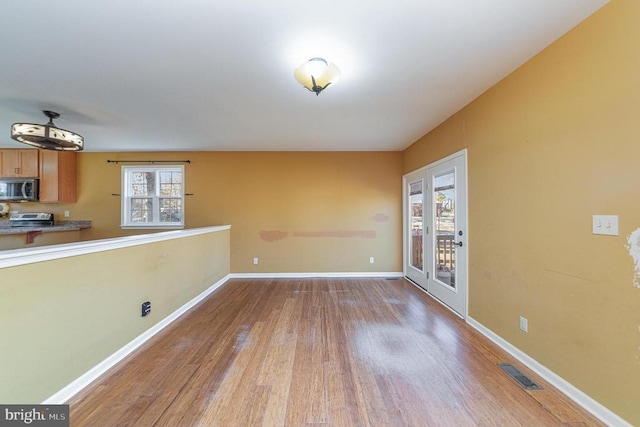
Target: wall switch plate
x,y
371,260
605,224
524,324
255,261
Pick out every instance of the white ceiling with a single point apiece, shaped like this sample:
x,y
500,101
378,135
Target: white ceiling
x,y
160,75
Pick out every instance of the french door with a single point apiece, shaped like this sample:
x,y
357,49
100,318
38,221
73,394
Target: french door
x,y
435,231
414,228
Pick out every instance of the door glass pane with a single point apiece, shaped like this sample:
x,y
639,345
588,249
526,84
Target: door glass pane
x,y
415,205
444,198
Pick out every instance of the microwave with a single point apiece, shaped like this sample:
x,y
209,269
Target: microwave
x,y
19,189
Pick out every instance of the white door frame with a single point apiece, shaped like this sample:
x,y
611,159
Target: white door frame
x,y
411,176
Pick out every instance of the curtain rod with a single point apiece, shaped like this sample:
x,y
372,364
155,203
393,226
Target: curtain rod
x,y
148,161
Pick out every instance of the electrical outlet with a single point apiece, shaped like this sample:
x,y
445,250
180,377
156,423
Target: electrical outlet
x,y
66,214
605,224
146,308
371,260
524,324
255,261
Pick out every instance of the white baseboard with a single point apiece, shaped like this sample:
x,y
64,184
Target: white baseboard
x,y
393,274
84,380
589,404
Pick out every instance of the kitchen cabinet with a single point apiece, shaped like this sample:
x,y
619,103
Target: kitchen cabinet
x,y
19,163
58,177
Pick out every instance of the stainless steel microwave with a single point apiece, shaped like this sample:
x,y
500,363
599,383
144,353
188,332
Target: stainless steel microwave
x,y
19,189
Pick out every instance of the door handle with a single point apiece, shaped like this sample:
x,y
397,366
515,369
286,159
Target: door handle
x,y
458,243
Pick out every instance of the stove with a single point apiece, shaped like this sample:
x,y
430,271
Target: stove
x,y
31,219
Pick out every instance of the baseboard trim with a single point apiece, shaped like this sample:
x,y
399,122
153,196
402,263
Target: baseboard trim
x,y
393,274
589,404
88,377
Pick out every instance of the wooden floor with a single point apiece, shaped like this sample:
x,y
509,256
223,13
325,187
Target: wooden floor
x,y
335,352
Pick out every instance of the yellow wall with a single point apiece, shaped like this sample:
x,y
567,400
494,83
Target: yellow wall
x,y
552,144
337,209
60,318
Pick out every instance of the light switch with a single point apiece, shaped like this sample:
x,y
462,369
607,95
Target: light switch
x,y
605,224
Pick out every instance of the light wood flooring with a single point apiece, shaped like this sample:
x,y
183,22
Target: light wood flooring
x,y
334,352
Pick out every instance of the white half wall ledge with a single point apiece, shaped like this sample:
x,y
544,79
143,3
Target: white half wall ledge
x,y
578,396
15,257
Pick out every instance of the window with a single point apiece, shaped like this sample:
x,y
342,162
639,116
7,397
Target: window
x,y
153,197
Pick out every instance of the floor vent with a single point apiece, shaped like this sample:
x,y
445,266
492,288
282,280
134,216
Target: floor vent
x,y
524,381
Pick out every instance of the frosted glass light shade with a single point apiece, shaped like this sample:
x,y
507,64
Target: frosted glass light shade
x,y
316,74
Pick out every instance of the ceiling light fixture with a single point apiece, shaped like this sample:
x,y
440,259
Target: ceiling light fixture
x,y
47,136
317,74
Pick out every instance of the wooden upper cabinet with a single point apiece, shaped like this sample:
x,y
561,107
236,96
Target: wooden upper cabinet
x,y
19,163
56,170
58,176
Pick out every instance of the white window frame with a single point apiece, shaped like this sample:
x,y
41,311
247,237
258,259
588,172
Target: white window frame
x,y
126,199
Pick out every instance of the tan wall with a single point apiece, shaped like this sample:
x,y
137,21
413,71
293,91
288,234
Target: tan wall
x,y
552,144
60,318
337,209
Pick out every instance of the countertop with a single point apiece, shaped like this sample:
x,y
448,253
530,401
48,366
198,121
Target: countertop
x,y
7,229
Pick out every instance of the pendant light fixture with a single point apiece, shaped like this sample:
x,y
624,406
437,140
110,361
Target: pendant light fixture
x,y
48,136
317,74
